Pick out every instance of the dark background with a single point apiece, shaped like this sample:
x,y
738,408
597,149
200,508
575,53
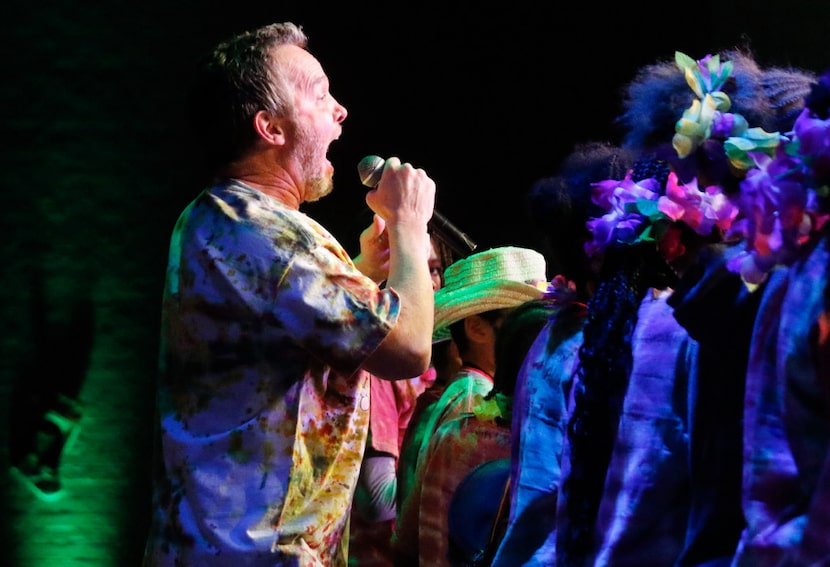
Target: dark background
x,y
95,170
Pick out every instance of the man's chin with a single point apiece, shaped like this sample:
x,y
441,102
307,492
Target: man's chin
x,y
319,188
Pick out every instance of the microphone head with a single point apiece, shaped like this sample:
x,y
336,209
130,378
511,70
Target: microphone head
x,y
370,169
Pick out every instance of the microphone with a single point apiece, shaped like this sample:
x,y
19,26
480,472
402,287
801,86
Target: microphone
x,y
370,169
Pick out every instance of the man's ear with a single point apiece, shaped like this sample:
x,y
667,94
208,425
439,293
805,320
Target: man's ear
x,y
270,129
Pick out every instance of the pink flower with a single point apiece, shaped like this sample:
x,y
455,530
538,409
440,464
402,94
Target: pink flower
x,y
700,210
560,291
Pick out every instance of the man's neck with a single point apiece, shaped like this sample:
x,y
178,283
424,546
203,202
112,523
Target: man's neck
x,y
272,180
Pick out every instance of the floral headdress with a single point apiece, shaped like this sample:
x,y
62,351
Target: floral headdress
x,y
783,197
708,117
642,209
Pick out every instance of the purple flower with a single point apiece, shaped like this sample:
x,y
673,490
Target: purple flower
x,y
623,222
774,202
813,135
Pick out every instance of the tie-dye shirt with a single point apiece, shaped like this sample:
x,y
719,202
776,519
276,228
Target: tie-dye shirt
x,y
262,403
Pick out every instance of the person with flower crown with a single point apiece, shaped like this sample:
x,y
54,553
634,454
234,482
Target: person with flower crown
x,y
558,207
629,489
623,459
708,292
786,488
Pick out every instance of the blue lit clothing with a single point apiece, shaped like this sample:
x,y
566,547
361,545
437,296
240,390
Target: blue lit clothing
x,y
645,502
539,427
716,308
263,405
787,421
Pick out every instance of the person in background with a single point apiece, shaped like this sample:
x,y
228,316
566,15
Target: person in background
x,y
269,329
558,206
462,444
392,404
767,99
479,292
633,492
786,418
624,430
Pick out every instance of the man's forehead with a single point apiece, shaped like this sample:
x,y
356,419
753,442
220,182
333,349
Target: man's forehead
x,y
299,63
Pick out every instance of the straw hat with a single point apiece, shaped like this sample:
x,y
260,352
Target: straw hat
x,y
498,278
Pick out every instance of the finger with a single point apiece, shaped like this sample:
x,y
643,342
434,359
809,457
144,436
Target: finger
x,y
379,225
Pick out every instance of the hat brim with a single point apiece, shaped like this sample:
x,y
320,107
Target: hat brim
x,y
455,304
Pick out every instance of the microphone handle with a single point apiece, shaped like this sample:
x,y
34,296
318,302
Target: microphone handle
x,y
450,234
370,169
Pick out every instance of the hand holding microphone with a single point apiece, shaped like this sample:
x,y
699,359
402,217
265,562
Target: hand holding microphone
x,y
370,170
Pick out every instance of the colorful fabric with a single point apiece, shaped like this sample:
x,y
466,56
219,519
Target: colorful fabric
x,y
787,422
467,388
263,406
457,446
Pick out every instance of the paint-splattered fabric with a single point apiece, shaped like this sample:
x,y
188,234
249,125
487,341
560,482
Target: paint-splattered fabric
x,y
263,406
787,422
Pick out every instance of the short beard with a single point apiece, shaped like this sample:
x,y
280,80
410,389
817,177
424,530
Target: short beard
x,y
318,183
318,188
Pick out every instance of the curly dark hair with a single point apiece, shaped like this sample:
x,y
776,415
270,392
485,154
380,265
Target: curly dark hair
x,y
559,205
657,96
